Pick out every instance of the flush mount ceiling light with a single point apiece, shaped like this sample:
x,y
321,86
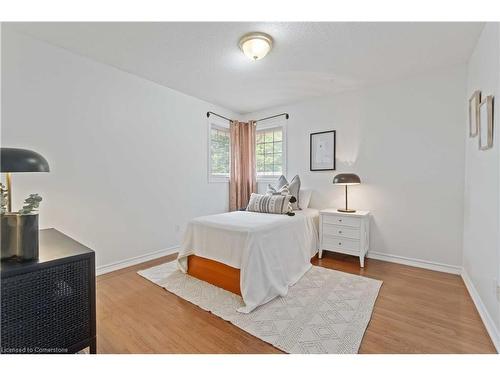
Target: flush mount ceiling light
x,y
256,45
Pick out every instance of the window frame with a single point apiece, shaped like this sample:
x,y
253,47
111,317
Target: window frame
x,y
216,123
272,124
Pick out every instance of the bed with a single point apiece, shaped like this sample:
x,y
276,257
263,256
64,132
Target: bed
x,y
255,255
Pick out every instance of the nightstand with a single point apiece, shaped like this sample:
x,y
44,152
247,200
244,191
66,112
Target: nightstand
x,y
344,232
48,304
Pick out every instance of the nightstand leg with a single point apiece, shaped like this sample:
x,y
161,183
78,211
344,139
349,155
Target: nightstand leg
x,y
93,346
320,254
362,261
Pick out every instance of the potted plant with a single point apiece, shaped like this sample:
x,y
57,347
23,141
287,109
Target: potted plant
x,y
19,230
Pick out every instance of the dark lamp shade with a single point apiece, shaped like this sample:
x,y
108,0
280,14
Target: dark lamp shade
x,y
346,179
21,160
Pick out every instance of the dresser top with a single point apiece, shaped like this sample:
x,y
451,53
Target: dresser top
x,y
334,211
54,246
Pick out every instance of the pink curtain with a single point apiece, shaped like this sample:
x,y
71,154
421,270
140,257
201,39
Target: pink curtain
x,y
242,179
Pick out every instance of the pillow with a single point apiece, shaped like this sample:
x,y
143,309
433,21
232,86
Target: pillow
x,y
281,191
304,198
281,182
293,188
270,204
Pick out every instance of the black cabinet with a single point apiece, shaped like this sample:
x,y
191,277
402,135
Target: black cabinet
x,y
48,305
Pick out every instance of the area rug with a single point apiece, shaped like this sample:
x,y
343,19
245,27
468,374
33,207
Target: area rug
x,y
326,311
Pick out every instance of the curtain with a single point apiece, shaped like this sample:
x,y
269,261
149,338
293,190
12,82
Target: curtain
x,y
242,178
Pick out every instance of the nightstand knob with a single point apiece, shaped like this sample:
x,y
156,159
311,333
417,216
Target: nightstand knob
x,y
340,243
340,231
340,220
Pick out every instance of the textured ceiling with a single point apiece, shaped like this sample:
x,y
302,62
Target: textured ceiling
x,y
308,59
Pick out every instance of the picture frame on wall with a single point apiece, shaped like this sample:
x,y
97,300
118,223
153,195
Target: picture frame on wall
x,y
322,149
474,102
486,123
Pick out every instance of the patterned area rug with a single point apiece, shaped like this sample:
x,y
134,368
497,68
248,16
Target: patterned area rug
x,y
327,311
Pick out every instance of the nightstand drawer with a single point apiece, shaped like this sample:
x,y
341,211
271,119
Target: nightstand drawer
x,y
340,231
342,220
334,243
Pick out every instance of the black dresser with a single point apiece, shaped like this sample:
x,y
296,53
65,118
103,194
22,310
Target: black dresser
x,y
48,305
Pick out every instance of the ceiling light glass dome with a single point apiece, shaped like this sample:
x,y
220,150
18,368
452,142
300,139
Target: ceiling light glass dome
x,y
256,45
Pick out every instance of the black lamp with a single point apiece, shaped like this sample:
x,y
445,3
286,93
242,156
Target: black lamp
x,y
20,160
346,179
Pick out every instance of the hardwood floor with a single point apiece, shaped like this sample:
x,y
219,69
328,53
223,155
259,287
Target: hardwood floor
x,y
417,311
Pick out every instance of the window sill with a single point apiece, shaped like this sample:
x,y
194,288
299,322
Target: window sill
x,y
267,179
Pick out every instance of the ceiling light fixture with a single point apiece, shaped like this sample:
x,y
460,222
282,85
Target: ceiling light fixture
x,y
256,45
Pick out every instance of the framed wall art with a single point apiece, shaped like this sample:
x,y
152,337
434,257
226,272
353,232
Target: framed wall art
x,y
486,123
474,102
322,151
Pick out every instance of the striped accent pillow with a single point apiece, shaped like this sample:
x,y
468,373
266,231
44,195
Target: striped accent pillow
x,y
269,204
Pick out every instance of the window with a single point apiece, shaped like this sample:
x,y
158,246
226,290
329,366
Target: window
x,y
270,152
219,160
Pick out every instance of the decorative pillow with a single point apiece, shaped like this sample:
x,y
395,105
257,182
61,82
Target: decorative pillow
x,y
281,182
270,204
304,198
281,191
293,188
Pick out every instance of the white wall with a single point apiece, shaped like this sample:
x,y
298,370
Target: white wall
x,y
128,157
405,140
481,258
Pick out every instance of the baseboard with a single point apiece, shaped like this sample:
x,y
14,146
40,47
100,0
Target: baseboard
x,y
101,270
481,309
434,266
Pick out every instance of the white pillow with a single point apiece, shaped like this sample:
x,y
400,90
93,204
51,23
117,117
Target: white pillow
x,y
304,198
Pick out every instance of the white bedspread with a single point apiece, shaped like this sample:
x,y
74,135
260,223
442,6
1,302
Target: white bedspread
x,y
272,251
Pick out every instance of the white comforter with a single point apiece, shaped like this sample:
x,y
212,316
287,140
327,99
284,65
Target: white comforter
x,y
271,251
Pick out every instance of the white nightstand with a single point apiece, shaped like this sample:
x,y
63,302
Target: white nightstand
x,y
347,233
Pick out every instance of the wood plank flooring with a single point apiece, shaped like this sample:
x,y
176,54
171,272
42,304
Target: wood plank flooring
x,y
417,311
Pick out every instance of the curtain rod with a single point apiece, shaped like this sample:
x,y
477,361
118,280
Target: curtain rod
x,y
270,117
262,119
213,113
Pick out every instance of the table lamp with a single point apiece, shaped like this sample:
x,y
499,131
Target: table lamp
x,y
14,160
346,179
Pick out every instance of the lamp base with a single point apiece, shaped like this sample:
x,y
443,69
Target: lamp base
x,y
345,210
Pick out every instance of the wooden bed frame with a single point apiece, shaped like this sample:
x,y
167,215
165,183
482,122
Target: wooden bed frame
x,y
215,273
